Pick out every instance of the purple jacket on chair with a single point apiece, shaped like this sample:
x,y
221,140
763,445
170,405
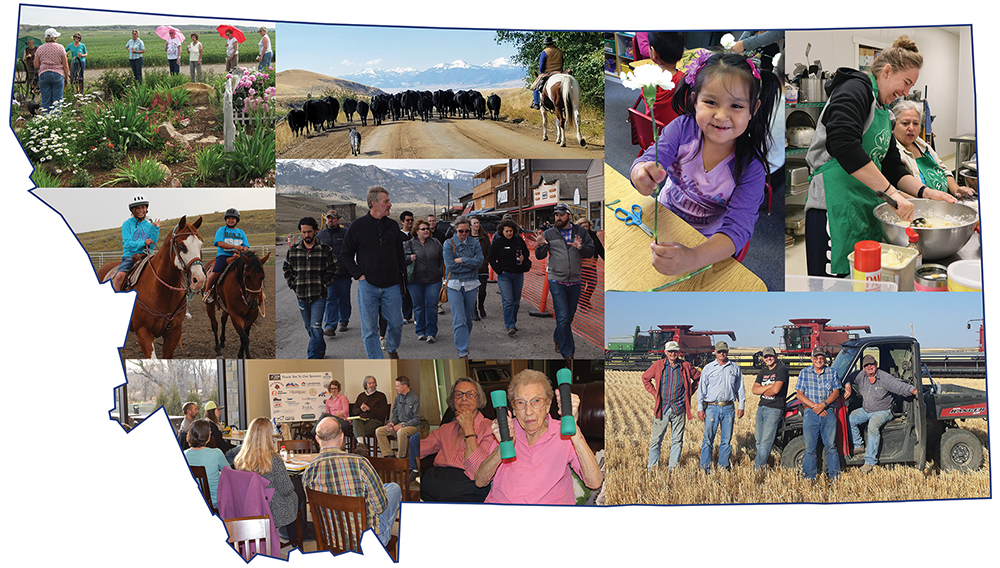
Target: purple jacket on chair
x,y
246,494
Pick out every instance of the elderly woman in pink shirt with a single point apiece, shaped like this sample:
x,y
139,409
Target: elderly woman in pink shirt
x,y
337,406
540,473
460,445
53,70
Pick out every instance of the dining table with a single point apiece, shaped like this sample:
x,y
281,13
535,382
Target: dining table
x,y
629,260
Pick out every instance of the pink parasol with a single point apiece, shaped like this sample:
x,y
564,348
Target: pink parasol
x,y
163,32
236,32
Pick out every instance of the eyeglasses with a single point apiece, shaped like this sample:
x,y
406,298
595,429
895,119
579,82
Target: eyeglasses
x,y
463,231
471,395
424,229
536,403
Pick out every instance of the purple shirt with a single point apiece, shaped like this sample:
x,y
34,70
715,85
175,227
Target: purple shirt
x,y
711,202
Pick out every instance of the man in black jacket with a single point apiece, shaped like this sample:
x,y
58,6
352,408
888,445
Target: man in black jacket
x,y
373,254
338,294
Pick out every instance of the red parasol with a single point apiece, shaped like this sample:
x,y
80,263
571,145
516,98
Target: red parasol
x,y
163,32
236,32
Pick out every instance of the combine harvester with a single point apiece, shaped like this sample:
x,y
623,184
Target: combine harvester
x,y
637,352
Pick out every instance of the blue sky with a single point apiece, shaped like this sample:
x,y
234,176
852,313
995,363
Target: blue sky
x,y
341,50
938,318
67,17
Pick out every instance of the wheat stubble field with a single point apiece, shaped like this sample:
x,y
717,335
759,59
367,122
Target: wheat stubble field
x,y
627,481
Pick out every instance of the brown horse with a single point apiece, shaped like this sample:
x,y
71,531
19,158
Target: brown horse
x,y
239,293
161,296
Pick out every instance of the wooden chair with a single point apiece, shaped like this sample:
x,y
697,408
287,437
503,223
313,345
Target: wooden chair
x,y
339,520
201,476
249,535
396,470
298,446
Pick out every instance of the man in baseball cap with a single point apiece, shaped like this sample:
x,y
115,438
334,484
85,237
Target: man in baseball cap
x,y
817,388
671,380
876,388
565,245
721,399
772,386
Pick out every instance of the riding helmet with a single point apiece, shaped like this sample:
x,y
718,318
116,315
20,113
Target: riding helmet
x,y
232,212
137,201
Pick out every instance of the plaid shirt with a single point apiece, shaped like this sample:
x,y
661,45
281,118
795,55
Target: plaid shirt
x,y
817,387
310,271
340,473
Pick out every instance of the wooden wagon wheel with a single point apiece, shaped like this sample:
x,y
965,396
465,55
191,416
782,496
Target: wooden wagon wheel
x,y
22,88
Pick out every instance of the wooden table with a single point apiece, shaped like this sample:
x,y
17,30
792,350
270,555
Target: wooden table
x,y
629,261
299,462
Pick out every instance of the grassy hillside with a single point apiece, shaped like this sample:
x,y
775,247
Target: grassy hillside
x,y
258,225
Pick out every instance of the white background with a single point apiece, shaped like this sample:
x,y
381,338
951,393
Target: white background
x,y
77,486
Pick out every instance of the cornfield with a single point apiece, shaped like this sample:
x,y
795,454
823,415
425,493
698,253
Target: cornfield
x,y
627,481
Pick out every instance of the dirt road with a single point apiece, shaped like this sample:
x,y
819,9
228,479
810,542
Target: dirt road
x,y
440,139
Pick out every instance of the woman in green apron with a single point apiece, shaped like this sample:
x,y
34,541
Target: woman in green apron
x,y
853,156
920,159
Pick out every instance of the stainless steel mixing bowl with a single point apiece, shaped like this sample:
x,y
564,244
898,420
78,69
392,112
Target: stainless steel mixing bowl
x,y
936,243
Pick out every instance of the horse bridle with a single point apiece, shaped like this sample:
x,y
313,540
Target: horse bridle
x,y
186,268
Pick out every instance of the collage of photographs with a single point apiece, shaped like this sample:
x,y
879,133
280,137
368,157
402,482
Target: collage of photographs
x,y
372,265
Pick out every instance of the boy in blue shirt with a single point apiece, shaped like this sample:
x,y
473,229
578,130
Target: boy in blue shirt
x,y
230,240
137,234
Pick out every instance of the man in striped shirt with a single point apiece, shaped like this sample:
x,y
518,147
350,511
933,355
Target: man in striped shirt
x,y
671,380
340,473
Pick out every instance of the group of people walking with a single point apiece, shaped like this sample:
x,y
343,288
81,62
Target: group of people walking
x,y
431,268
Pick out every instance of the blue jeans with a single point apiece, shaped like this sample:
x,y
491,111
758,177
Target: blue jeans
x,y
425,313
338,303
463,307
815,427
718,418
768,420
51,85
875,422
510,285
391,300
388,516
413,452
175,66
565,297
265,61
136,65
312,317
676,421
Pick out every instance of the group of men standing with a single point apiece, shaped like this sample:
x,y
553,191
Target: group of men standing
x,y
720,401
321,267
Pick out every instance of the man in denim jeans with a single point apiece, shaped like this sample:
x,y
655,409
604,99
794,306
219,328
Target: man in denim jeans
x,y
672,381
309,269
721,398
772,386
565,245
817,388
373,254
876,388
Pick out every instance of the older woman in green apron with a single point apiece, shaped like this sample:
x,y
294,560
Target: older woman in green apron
x,y
919,158
853,156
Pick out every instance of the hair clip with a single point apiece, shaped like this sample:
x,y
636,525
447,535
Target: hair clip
x,y
692,71
753,68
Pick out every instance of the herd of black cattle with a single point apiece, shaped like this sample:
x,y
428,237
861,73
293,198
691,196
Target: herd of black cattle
x,y
320,114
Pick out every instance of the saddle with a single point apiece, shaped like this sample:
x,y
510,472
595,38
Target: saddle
x,y
210,294
139,260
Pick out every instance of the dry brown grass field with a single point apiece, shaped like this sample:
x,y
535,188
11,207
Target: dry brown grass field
x,y
627,481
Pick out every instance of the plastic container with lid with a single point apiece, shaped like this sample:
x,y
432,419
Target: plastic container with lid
x,y
897,265
965,276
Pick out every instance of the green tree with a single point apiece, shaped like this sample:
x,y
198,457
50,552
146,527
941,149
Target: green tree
x,y
170,400
583,53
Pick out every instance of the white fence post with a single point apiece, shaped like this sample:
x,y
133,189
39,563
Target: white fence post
x,y
228,125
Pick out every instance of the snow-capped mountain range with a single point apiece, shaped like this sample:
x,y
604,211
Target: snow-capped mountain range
x,y
458,74
318,177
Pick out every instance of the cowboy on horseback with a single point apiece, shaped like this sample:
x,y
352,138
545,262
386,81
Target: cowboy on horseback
x,y
139,235
550,62
229,240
